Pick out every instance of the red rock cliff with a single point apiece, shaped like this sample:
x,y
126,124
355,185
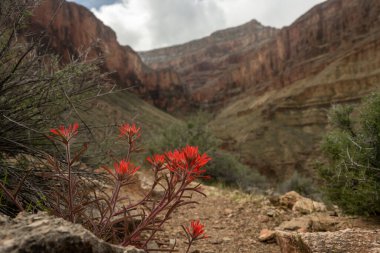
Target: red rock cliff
x,y
331,55
74,29
262,58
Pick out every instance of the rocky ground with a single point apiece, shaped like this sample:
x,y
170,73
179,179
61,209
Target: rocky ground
x,y
234,221
238,222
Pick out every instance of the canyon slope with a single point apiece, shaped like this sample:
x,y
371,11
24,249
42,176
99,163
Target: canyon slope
x,y
71,30
271,95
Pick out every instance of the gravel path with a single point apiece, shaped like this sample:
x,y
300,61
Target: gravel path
x,y
233,221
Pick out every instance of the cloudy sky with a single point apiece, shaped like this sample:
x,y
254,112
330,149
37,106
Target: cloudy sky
x,y
147,24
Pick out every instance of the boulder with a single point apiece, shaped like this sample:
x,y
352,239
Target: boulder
x,y
289,199
301,224
306,206
311,223
41,233
298,203
267,235
343,241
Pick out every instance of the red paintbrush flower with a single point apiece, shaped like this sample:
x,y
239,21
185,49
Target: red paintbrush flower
x,y
196,231
125,168
130,131
187,162
157,161
65,133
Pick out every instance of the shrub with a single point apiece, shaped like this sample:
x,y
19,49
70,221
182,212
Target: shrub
x,y
299,183
352,175
36,91
227,169
194,132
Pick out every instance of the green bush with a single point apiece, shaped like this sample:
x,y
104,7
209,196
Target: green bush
x,y
194,132
352,174
299,183
224,167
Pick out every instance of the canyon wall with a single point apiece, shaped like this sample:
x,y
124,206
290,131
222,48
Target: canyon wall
x,y
201,63
272,58
331,55
70,29
271,104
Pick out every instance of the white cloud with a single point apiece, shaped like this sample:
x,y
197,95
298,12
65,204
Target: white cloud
x,y
276,13
129,20
147,24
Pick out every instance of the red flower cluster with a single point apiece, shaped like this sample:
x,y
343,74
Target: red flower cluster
x,y
130,131
196,230
125,168
187,162
66,133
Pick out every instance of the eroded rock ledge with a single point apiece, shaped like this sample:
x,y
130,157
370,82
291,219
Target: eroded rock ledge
x,y
41,233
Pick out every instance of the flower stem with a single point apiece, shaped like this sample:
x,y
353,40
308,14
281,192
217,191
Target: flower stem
x,y
114,199
188,247
68,160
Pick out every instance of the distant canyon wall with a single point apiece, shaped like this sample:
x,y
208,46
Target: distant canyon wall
x,y
72,29
253,56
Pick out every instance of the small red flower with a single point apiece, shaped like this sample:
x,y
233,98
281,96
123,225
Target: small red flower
x,y
125,168
196,231
130,131
157,161
66,133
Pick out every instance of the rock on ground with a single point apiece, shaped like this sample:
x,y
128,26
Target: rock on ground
x,y
343,241
298,203
312,223
41,233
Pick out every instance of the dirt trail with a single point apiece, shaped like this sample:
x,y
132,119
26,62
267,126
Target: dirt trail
x,y
233,221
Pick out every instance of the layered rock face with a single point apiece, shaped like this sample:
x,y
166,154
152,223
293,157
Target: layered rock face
x,y
285,83
331,56
201,63
253,56
71,29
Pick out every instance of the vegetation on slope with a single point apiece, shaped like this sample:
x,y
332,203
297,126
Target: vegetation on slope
x,y
352,175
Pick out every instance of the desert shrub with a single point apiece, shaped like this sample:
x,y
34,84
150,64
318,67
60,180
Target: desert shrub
x,y
224,167
299,183
351,176
193,132
36,91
